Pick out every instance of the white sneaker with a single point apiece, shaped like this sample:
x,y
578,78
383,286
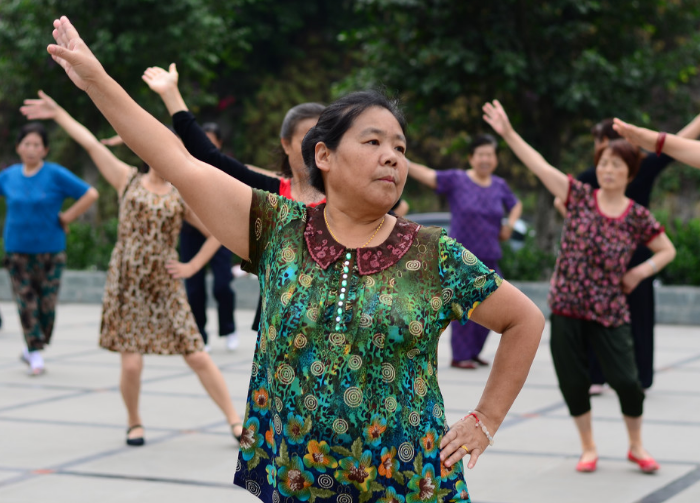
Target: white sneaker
x,y
232,341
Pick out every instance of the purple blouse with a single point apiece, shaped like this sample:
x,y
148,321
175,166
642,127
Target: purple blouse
x,y
476,211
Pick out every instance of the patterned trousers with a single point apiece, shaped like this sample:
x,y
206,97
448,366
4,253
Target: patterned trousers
x,y
36,278
468,340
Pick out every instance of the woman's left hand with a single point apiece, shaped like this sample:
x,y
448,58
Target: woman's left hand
x,y
179,270
463,433
631,279
505,233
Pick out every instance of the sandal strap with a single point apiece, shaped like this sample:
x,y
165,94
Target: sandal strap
x,y
132,428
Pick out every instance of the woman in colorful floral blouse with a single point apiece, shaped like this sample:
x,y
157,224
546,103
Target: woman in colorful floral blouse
x,y
344,403
601,231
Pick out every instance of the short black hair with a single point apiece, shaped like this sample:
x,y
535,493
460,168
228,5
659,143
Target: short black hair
x,y
604,129
33,127
334,122
480,141
293,117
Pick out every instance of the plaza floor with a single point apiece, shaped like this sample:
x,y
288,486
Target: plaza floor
x,y
62,434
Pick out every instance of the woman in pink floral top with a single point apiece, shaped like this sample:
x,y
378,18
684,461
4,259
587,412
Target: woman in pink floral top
x,y
587,297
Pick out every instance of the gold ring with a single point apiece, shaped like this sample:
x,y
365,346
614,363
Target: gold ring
x,y
465,448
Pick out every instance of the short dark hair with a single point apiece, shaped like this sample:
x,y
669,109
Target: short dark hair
x,y
480,141
604,129
212,127
291,120
630,154
334,122
33,127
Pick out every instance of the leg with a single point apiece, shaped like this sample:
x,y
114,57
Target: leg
x,y
53,265
615,349
26,292
191,240
213,381
569,354
130,386
641,303
223,293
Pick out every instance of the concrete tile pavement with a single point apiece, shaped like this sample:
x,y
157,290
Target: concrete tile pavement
x,y
62,434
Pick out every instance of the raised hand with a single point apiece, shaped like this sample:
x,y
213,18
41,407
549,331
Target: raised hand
x,y
69,51
159,80
496,116
644,138
43,108
114,141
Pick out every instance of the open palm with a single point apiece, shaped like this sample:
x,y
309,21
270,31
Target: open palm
x,y
43,108
496,116
74,56
160,80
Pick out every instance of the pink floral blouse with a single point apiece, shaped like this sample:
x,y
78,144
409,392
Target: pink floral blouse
x,y
595,251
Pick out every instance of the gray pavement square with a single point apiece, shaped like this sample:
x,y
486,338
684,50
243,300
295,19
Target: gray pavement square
x,y
62,434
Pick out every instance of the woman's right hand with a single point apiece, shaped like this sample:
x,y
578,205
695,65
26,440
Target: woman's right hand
x,y
43,108
159,80
496,116
74,56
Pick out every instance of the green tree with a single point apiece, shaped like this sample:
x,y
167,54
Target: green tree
x,y
558,66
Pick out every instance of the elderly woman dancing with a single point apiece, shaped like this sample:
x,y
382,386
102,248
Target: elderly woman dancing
x,y
601,231
344,403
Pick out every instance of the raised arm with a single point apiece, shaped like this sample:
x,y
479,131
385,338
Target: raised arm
x,y
691,130
556,182
115,171
221,202
165,84
681,149
423,174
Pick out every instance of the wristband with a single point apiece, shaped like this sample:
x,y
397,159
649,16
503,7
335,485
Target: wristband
x,y
660,140
653,265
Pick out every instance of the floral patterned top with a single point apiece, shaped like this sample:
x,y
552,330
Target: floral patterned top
x,y
595,251
344,403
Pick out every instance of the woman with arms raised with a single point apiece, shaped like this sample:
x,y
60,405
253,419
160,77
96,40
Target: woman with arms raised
x,y
344,402
145,310
587,297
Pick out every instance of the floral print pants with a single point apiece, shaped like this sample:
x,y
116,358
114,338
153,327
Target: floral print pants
x,y
35,279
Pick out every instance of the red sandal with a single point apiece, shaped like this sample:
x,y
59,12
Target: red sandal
x,y
648,465
587,466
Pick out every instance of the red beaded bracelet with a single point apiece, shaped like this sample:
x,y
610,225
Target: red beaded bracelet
x,y
479,424
660,143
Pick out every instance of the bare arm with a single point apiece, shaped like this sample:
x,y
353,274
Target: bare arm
x,y
79,207
691,130
165,84
509,312
556,182
115,171
423,174
402,209
222,202
681,149
507,230
664,253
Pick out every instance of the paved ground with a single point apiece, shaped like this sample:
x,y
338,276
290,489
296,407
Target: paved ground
x,y
62,434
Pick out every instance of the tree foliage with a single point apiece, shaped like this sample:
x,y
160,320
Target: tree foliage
x,y
557,65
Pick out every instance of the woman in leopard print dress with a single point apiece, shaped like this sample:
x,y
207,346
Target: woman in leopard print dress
x,y
145,309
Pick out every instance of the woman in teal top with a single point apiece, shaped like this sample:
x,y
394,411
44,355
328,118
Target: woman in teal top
x,y
35,235
344,403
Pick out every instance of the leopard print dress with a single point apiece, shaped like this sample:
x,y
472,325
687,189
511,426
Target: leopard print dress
x,y
144,309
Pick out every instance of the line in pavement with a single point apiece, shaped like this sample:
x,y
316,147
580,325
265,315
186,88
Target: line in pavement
x,y
187,482
672,489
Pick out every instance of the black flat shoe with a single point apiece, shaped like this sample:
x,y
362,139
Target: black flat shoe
x,y
134,442
237,437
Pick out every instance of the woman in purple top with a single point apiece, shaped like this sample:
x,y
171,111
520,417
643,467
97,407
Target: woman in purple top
x,y
602,229
478,202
